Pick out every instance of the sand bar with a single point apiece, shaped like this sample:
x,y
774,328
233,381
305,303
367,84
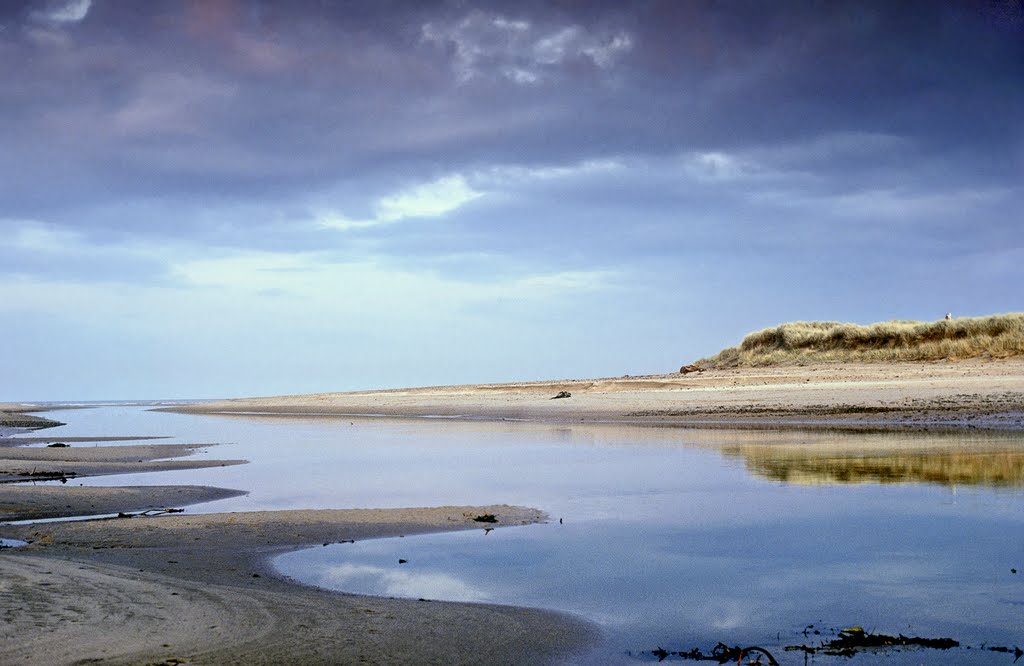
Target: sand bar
x,y
975,393
13,415
22,441
20,501
71,462
118,453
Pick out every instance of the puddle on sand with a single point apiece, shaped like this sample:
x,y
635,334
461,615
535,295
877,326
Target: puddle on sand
x,y
657,584
12,543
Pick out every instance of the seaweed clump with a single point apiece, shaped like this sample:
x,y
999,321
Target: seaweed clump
x,y
722,654
854,639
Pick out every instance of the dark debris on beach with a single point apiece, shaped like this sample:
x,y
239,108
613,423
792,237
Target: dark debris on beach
x,y
722,654
855,639
847,643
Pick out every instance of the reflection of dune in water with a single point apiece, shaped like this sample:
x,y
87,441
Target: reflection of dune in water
x,y
792,455
801,465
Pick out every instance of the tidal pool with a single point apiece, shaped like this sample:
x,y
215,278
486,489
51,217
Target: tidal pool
x,y
663,537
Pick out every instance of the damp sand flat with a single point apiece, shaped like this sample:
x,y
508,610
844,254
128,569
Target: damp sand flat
x,y
37,502
19,440
70,462
210,597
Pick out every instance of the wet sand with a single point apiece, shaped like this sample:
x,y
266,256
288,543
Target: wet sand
x,y
974,393
7,441
43,502
199,589
15,415
69,462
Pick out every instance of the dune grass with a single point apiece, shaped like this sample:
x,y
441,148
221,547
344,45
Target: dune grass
x,y
994,336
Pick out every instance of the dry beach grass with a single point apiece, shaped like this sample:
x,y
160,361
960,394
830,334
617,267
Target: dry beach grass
x,y
994,336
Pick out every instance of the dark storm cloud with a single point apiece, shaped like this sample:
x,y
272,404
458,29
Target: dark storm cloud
x,y
363,180
239,106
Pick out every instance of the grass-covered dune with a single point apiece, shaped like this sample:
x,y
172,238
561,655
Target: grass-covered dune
x,y
994,336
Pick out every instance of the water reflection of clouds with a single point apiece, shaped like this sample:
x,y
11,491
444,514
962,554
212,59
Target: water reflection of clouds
x,y
726,614
406,583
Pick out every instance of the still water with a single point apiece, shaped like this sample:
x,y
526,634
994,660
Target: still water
x,y
673,538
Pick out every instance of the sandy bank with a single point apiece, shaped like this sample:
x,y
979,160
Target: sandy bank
x,y
14,415
35,502
948,394
20,464
199,589
22,441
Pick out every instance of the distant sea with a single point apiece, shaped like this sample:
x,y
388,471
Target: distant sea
x,y
53,404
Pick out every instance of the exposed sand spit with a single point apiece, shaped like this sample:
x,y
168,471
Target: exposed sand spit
x,y
21,464
14,415
22,441
982,393
109,454
35,502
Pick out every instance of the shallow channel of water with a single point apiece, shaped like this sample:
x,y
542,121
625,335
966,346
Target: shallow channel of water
x,y
664,537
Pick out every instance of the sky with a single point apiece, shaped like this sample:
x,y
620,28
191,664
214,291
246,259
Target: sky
x,y
228,198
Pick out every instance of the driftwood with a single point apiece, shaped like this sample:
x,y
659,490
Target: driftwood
x,y
561,394
35,475
687,369
149,512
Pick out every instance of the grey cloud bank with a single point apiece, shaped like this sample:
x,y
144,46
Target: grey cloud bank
x,y
225,198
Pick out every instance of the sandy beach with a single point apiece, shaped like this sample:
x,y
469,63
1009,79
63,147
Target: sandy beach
x,y
199,588
972,393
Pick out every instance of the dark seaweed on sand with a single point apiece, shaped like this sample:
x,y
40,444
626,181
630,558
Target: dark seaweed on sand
x,y
852,640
